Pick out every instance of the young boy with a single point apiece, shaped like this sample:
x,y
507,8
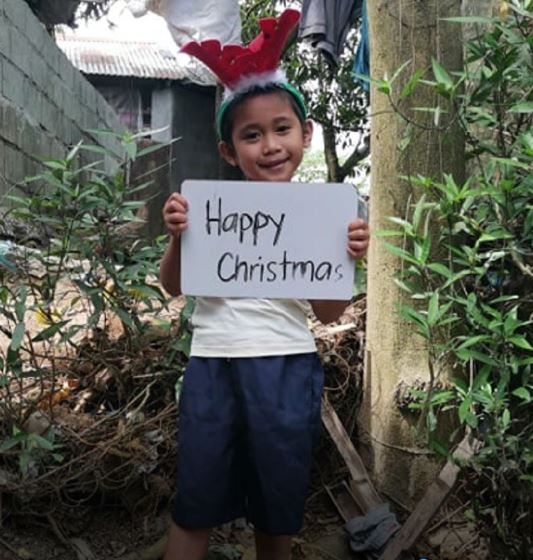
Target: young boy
x,y
250,403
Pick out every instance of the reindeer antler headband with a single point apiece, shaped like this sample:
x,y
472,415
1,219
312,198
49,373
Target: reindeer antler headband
x,y
242,69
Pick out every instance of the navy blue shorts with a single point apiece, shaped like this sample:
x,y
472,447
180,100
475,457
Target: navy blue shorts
x,y
246,432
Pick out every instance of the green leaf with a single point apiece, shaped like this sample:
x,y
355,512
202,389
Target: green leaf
x,y
506,418
525,107
41,442
470,19
399,71
8,444
131,149
24,462
468,354
17,336
49,332
433,309
147,291
520,342
402,253
473,340
389,233
441,75
404,224
464,409
522,393
520,11
441,269
415,317
20,304
412,83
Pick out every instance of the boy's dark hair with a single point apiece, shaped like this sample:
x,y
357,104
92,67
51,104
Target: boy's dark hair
x,y
226,127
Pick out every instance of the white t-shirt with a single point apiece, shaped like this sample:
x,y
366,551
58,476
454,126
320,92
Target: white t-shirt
x,y
243,327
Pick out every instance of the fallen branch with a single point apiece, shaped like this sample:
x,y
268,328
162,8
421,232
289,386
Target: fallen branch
x,y
433,498
362,488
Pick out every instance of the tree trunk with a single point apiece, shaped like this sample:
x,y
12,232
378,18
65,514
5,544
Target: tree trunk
x,y
400,31
330,154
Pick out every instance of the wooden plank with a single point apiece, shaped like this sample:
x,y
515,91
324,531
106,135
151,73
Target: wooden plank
x,y
342,497
426,508
361,487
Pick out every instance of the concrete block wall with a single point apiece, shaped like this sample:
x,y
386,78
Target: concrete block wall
x,y
46,104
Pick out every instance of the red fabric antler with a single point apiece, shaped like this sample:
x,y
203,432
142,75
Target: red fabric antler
x,y
233,62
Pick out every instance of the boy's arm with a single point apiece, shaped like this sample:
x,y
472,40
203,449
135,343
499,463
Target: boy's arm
x,y
328,311
170,268
175,218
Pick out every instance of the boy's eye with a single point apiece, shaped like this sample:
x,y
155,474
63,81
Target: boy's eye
x,y
251,135
283,128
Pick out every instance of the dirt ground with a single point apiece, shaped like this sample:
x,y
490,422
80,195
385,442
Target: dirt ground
x,y
131,521
107,534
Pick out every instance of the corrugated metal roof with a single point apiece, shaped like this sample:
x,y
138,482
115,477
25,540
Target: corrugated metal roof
x,y
107,57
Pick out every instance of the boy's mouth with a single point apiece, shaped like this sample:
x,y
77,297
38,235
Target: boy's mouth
x,y
274,164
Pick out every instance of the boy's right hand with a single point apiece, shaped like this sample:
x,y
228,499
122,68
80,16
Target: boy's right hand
x,y
175,214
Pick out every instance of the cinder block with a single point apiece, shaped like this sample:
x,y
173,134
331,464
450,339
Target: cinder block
x,y
14,165
25,56
57,96
69,103
85,92
40,143
55,121
38,70
64,129
12,83
66,70
86,121
77,133
18,12
94,97
28,139
5,47
51,56
37,35
10,123
35,32
47,114
58,149
48,84
46,142
18,41
35,106
2,163
78,87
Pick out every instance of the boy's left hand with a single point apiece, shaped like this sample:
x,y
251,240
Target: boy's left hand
x,y
358,238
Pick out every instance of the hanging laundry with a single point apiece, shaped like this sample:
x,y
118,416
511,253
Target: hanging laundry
x,y
326,23
197,20
361,66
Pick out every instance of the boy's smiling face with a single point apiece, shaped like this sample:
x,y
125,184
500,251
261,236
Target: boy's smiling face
x,y
268,138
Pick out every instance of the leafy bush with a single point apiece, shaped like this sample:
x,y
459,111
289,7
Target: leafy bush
x,y
468,268
93,266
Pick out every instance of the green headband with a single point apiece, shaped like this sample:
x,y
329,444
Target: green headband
x,y
225,105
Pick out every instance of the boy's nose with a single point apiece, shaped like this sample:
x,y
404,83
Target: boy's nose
x,y
270,143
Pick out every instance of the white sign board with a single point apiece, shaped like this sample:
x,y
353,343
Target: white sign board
x,y
268,240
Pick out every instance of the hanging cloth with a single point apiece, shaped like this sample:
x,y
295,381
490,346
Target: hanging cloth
x,y
362,56
326,23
